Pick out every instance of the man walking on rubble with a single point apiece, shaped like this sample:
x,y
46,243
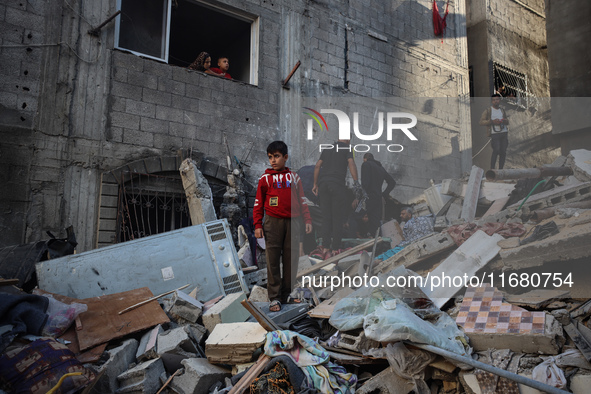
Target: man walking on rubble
x,y
496,122
373,176
329,185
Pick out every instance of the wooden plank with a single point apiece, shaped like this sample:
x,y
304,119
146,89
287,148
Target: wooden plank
x,y
496,207
325,309
336,258
472,194
102,323
260,316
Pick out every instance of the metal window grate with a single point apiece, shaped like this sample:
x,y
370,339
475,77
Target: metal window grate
x,y
150,204
513,85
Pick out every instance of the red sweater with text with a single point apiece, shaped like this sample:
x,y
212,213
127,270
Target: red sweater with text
x,y
280,194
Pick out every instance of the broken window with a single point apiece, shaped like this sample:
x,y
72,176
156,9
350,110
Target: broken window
x,y
176,31
512,85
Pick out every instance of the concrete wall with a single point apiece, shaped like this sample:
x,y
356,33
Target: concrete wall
x,y
91,109
569,56
512,34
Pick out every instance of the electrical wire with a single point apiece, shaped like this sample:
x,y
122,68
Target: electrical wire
x,y
480,151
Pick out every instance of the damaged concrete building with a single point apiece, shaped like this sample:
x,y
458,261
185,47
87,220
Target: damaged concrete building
x,y
82,106
99,112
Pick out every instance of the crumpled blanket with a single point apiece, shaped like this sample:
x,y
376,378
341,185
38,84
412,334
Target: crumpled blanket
x,y
321,374
461,232
26,313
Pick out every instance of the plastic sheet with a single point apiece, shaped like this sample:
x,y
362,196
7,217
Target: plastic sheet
x,y
60,316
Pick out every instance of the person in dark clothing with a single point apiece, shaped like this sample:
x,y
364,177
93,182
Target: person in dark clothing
x,y
329,185
373,176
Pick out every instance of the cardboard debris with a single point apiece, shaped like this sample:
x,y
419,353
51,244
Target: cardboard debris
x,y
224,346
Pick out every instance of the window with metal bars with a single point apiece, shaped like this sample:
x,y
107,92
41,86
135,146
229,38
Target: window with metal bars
x,y
512,85
150,204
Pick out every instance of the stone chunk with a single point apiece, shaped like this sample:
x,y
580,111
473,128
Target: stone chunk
x,y
143,378
186,307
173,346
147,347
228,310
258,294
198,377
119,360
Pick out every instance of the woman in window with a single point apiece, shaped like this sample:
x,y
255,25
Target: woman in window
x,y
202,63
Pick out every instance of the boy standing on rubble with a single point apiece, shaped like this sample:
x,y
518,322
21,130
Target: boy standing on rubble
x,y
280,197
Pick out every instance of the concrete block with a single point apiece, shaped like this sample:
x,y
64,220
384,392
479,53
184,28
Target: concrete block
x,y
185,306
143,378
580,161
228,310
386,382
452,187
198,377
147,347
435,199
173,346
258,294
393,231
196,332
118,362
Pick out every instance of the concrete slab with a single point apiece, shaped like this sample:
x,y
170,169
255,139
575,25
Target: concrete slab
x,y
227,310
118,362
147,346
393,231
198,377
471,256
569,244
143,378
472,194
417,251
224,346
435,198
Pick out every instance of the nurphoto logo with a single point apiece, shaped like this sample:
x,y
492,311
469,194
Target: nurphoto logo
x,y
345,129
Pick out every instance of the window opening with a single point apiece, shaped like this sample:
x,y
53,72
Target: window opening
x,y
512,85
150,204
176,31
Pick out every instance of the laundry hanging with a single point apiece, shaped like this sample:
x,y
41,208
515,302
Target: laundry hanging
x,y
439,23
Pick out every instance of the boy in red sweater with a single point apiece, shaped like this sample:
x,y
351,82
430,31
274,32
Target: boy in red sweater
x,y
280,197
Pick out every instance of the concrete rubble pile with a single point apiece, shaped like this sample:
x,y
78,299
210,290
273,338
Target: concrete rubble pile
x,y
495,298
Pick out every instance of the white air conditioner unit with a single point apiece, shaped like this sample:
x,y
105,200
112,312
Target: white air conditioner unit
x,y
202,256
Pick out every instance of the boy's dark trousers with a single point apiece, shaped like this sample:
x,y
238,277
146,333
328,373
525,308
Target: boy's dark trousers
x,y
281,240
